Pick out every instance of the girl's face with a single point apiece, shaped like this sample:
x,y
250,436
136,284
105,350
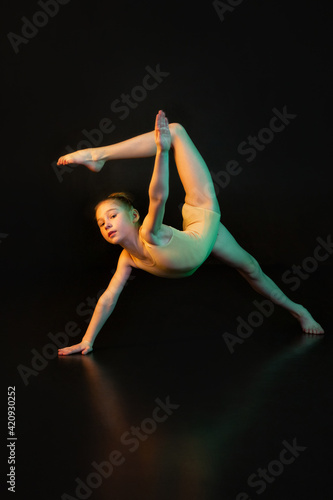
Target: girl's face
x,y
115,220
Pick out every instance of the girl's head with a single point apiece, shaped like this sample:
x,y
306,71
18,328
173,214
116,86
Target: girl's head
x,y
116,217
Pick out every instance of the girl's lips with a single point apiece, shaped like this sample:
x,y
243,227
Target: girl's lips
x,y
111,233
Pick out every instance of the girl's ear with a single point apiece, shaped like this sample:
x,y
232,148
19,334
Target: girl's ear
x,y
136,215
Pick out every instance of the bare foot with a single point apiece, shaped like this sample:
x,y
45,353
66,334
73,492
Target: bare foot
x,y
308,324
82,157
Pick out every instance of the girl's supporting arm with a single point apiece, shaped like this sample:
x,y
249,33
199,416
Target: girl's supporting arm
x,y
104,307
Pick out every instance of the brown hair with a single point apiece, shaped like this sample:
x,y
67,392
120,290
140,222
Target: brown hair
x,y
126,199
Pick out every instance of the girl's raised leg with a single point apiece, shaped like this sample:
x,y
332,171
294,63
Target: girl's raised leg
x,y
141,146
230,252
192,169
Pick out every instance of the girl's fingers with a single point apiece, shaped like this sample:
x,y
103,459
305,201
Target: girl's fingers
x,y
161,120
64,352
158,120
67,350
84,349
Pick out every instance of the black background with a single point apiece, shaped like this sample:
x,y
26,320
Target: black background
x,y
224,79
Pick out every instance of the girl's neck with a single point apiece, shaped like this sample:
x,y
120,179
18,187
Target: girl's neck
x,y
133,244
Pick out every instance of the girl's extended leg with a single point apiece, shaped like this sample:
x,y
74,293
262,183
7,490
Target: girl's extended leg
x,y
141,146
230,252
193,171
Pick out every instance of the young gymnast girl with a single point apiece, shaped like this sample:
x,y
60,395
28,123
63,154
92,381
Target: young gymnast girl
x,y
160,249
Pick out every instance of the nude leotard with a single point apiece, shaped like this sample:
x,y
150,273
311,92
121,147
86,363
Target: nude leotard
x,y
187,249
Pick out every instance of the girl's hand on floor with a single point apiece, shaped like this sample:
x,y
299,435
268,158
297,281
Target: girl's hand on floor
x,y
83,347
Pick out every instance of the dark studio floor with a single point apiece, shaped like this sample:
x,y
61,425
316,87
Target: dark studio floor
x,y
225,419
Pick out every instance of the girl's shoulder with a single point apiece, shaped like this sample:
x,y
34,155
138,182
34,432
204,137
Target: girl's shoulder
x,y
126,259
162,238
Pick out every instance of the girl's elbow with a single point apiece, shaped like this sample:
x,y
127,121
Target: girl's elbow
x,y
159,198
106,301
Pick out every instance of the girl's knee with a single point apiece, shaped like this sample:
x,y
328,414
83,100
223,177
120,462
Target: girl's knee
x,y
250,267
176,129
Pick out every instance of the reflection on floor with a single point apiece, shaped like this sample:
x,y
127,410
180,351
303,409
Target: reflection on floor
x,y
163,410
